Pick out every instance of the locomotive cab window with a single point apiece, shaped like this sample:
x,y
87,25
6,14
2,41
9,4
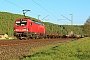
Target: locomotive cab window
x,y
21,23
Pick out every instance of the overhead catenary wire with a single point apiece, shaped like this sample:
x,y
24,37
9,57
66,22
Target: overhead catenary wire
x,y
18,6
46,5
61,15
31,10
14,4
43,8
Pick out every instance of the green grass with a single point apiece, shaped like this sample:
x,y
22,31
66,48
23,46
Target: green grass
x,y
76,50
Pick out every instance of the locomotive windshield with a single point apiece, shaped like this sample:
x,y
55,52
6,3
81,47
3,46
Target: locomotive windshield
x,y
21,23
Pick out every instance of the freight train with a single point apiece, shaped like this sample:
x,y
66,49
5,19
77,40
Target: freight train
x,y
25,28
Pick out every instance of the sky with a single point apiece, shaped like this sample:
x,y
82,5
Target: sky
x,y
54,11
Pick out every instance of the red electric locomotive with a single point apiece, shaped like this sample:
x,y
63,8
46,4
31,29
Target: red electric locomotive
x,y
25,28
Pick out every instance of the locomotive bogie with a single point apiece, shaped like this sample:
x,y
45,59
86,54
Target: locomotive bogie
x,y
26,35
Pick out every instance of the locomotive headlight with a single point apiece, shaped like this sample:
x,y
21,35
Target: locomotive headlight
x,y
25,29
15,29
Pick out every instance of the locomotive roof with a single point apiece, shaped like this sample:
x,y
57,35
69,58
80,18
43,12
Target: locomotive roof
x,y
29,20
37,22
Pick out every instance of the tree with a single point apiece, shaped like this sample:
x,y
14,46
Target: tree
x,y
87,27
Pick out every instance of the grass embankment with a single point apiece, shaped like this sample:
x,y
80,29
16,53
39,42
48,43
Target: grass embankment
x,y
75,50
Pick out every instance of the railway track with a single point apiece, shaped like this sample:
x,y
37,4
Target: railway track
x,y
18,42
15,48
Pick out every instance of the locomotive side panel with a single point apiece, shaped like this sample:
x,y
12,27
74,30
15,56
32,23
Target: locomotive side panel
x,y
37,28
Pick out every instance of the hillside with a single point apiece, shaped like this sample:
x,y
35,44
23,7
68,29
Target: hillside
x,y
7,22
